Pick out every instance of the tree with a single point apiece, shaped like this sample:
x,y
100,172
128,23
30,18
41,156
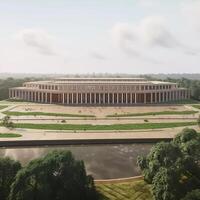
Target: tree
x,y
193,195
57,176
8,170
161,155
173,167
198,121
6,121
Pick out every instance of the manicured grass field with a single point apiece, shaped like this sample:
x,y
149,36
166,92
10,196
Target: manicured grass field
x,y
186,112
3,106
9,135
134,190
12,113
196,106
85,127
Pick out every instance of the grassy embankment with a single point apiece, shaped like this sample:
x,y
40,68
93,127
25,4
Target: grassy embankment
x,y
85,127
185,112
12,113
3,106
134,190
9,135
196,106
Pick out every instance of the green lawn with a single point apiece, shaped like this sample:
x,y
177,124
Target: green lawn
x,y
186,112
3,106
196,106
12,113
85,127
9,135
134,190
186,101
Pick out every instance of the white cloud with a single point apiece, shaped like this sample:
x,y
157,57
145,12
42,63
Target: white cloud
x,y
97,55
149,32
153,31
191,11
38,39
148,3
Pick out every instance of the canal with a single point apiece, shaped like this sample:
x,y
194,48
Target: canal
x,y
101,161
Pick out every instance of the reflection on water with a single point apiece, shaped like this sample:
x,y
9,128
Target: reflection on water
x,y
102,161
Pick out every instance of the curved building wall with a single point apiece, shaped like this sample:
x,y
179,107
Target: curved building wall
x,y
99,91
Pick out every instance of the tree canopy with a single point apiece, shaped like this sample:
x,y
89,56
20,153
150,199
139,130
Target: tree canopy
x,y
8,170
173,167
57,176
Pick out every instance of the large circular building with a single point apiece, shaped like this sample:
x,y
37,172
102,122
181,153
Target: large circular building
x,y
99,91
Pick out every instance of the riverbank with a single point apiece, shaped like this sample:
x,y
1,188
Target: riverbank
x,y
31,137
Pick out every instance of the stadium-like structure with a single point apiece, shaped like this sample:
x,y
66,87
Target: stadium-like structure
x,y
100,91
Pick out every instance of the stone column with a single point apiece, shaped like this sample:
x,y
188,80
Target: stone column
x,y
46,99
50,98
159,97
77,98
81,98
72,98
117,98
145,98
42,95
151,97
63,98
113,98
131,98
135,98
90,98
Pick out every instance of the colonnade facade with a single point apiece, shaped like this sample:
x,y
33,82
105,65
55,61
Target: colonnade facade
x,y
96,98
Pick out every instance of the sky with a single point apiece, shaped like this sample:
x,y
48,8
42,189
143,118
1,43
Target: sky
x,y
100,36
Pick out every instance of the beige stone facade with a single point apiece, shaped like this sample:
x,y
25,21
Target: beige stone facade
x,y
99,91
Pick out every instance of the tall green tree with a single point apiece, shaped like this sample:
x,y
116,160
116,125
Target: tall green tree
x,y
8,170
173,167
57,176
193,195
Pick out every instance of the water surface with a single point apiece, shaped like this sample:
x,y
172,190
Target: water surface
x,y
102,161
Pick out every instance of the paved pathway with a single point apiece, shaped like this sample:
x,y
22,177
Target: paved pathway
x,y
31,134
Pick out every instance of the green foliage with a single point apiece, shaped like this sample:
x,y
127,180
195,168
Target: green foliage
x,y
9,135
8,170
3,106
193,195
6,121
193,85
185,112
12,113
103,127
173,168
57,176
198,121
5,84
128,190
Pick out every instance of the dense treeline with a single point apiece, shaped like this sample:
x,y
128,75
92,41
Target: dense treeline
x,y
194,85
5,84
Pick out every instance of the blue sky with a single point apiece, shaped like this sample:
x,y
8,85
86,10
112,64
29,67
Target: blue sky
x,y
99,36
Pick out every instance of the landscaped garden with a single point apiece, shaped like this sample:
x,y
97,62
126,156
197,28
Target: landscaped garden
x,y
85,127
3,106
9,135
131,190
186,112
15,113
